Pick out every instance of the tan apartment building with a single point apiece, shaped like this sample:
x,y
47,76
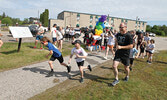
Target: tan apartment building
x,y
68,18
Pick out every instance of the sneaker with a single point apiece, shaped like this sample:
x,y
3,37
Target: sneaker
x,y
126,78
149,62
35,47
115,82
89,67
41,48
130,68
69,69
105,58
81,80
50,74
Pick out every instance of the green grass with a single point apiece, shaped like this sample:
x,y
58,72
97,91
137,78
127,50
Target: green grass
x,y
10,58
147,82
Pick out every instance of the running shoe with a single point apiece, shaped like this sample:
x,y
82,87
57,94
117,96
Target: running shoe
x,y
89,67
115,82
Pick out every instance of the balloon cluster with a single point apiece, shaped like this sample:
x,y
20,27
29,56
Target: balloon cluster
x,y
100,25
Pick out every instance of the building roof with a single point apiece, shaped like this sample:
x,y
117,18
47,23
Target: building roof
x,y
100,15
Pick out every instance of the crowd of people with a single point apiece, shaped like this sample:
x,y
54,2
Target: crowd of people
x,y
125,46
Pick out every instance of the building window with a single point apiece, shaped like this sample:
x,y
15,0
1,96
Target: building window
x,y
91,18
108,18
122,20
78,17
112,21
136,24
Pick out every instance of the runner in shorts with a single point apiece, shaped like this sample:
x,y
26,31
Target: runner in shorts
x,y
56,54
80,58
124,43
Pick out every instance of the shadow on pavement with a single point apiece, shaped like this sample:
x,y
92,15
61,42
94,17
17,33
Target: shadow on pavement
x,y
45,72
96,56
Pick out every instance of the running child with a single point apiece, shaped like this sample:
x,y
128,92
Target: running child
x,y
151,51
133,54
142,48
56,54
80,58
110,44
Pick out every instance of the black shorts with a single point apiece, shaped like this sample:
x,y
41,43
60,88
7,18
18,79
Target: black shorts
x,y
131,61
147,51
124,60
60,59
142,50
150,52
98,42
80,63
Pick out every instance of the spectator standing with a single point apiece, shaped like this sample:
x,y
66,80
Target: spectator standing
x,y
39,35
151,47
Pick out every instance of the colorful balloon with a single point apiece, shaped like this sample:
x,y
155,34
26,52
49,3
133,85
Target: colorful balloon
x,y
100,25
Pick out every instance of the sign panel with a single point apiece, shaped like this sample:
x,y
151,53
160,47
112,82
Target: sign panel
x,y
20,32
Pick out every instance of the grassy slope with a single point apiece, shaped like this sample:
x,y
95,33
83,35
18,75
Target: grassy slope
x,y
147,82
9,58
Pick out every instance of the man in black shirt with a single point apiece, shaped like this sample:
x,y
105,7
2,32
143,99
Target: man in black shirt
x,y
124,43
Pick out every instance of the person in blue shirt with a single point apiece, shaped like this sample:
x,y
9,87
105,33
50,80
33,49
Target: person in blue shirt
x,y
56,54
133,54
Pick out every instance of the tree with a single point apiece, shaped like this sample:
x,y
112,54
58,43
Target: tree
x,y
44,18
148,28
3,15
7,21
26,21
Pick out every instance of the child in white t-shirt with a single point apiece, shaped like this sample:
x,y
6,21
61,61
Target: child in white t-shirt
x,y
151,51
80,58
110,44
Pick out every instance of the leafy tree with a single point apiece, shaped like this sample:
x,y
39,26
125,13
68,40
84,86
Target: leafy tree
x,y
26,21
44,18
7,21
4,15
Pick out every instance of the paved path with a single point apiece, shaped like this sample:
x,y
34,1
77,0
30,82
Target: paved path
x,y
25,82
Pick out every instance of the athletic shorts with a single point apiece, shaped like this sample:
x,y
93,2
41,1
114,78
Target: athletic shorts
x,y
150,52
39,37
110,46
142,50
124,60
80,63
131,61
60,59
98,42
54,39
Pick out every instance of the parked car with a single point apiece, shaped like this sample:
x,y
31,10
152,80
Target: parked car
x,y
34,29
152,34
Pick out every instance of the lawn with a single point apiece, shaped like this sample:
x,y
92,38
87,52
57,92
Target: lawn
x,y
147,82
10,58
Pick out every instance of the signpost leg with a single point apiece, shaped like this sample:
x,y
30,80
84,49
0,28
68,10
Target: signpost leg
x,y
19,46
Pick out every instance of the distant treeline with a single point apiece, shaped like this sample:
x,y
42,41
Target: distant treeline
x,y
157,29
9,21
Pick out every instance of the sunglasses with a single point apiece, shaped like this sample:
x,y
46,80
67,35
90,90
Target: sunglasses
x,y
121,27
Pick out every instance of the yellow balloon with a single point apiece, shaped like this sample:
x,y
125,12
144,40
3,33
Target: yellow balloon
x,y
98,32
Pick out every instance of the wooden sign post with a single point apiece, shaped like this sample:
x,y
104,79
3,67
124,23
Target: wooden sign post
x,y
20,32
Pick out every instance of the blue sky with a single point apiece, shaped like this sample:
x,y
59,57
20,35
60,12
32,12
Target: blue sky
x,y
152,11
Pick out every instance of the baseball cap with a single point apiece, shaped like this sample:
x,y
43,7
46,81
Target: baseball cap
x,y
77,41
